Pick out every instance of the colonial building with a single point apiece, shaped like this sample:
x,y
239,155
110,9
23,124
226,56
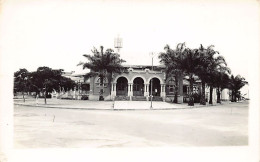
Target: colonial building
x,y
137,82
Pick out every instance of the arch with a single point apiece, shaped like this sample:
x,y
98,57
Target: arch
x,y
156,88
170,78
138,76
154,76
138,86
122,86
116,78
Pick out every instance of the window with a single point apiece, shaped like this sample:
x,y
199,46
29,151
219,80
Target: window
x,y
104,82
171,89
171,86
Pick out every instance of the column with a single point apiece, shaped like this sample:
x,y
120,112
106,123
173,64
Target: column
x,y
128,90
113,90
130,94
163,91
146,91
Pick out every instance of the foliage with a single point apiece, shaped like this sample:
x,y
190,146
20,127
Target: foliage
x,y
189,65
44,80
207,64
21,80
104,65
235,84
212,70
172,61
48,79
21,83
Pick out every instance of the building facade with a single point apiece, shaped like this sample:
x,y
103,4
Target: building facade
x,y
137,82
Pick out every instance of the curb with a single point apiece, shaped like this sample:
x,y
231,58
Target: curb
x,y
113,109
51,107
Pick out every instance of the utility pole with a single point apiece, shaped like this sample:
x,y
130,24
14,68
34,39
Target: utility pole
x,y
151,95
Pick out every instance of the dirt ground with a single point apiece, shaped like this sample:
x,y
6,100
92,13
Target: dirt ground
x,y
223,125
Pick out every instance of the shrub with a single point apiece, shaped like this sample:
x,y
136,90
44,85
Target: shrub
x,y
84,97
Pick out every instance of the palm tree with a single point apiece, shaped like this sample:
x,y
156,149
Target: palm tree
x,y
172,61
104,65
236,83
221,80
189,65
202,71
211,64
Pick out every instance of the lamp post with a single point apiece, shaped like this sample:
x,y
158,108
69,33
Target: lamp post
x,y
78,89
151,95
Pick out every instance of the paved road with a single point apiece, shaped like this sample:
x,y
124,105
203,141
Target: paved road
x,y
208,126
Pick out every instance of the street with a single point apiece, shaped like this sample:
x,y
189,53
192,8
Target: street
x,y
222,125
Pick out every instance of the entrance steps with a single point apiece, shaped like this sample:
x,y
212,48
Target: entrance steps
x,y
156,98
122,98
139,98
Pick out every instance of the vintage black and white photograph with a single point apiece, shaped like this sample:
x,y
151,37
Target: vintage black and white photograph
x,y
132,75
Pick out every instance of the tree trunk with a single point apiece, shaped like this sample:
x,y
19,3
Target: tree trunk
x,y
109,82
101,98
235,96
191,100
210,94
202,98
45,101
176,89
23,97
232,96
218,95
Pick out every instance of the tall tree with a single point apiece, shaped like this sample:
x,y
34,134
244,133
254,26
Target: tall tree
x,y
189,65
202,72
212,63
104,65
46,80
236,83
21,81
211,67
221,78
172,61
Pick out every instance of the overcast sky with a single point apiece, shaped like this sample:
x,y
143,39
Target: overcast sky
x,y
58,33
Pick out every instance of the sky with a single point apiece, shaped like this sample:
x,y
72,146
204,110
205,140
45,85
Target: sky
x,y
57,33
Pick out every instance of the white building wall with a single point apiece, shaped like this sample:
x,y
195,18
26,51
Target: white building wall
x,y
214,95
225,94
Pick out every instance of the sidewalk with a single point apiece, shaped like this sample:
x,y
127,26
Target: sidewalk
x,y
68,104
156,105
105,105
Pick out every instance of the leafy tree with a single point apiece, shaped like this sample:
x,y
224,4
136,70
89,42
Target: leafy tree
x,y
172,61
65,83
46,80
104,65
21,81
236,83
